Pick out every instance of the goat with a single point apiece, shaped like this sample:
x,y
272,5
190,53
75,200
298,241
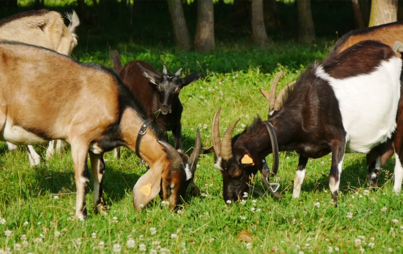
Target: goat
x,y
42,28
348,103
158,92
95,112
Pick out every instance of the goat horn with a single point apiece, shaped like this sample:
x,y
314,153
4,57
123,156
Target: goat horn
x,y
280,97
265,94
164,70
215,133
194,157
227,141
178,73
173,155
273,89
274,146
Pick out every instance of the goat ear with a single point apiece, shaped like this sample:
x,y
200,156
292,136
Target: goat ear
x,y
152,76
247,160
146,188
189,79
74,22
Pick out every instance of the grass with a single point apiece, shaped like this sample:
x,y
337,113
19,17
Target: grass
x,y
37,204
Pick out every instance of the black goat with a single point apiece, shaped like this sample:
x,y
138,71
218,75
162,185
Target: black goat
x,y
348,103
159,93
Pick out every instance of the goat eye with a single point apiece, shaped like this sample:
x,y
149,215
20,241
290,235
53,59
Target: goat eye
x,y
236,173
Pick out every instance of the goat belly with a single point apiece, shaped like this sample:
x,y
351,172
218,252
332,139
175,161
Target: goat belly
x,y
368,104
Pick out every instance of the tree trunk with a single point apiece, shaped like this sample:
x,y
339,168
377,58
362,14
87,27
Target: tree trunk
x,y
382,12
358,20
306,29
259,35
270,13
179,27
204,39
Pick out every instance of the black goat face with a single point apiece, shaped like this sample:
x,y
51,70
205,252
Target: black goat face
x,y
168,86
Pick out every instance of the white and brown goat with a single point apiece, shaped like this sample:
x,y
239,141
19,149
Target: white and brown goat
x,y
347,103
95,112
46,29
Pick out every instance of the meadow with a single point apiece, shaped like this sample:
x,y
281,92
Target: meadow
x,y
37,204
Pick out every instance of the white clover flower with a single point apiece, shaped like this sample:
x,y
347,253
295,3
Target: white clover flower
x,y
117,248
212,240
38,240
130,243
55,197
245,195
141,205
242,217
307,245
357,241
57,233
336,249
152,251
372,245
329,249
249,246
228,202
366,192
390,250
2,221
101,244
164,250
174,236
253,209
142,247
153,231
205,126
395,221
156,243
78,241
243,202
349,215
372,239
26,223
317,204
94,235
17,247
300,252
23,237
179,211
165,202
384,209
8,232
25,243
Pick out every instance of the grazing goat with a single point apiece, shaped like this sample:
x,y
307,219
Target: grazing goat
x,y
348,103
158,92
95,112
41,28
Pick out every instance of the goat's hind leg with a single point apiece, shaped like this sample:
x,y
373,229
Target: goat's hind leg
x,y
34,158
338,148
299,176
98,169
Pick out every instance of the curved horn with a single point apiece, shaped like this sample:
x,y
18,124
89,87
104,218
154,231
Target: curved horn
x,y
280,97
227,142
194,157
164,71
273,89
274,146
173,155
215,133
178,73
265,94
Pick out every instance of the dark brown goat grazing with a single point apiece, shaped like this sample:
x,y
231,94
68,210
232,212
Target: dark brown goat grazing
x,y
158,92
348,103
95,112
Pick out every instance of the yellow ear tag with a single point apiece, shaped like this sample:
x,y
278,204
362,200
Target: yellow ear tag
x,y
247,160
146,189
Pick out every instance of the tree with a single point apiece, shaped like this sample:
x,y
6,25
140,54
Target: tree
x,y
180,30
383,11
204,39
306,29
358,19
259,35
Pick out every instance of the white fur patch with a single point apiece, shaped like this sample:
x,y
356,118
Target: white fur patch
x,y
368,104
17,135
333,184
189,174
95,148
299,178
398,175
218,164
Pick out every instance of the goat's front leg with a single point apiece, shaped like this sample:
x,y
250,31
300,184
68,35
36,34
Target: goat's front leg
x,y
79,154
373,171
34,157
98,169
338,148
177,133
299,176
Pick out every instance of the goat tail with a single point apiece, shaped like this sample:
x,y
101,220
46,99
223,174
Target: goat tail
x,y
117,63
398,46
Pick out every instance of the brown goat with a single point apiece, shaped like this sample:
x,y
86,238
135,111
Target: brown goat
x,y
158,92
41,28
94,111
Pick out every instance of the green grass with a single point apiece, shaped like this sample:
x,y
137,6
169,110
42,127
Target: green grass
x,y
37,204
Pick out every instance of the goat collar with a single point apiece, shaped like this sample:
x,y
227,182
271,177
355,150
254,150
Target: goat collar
x,y
142,132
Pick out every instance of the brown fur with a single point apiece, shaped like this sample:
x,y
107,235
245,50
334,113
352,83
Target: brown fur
x,y
86,105
42,28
